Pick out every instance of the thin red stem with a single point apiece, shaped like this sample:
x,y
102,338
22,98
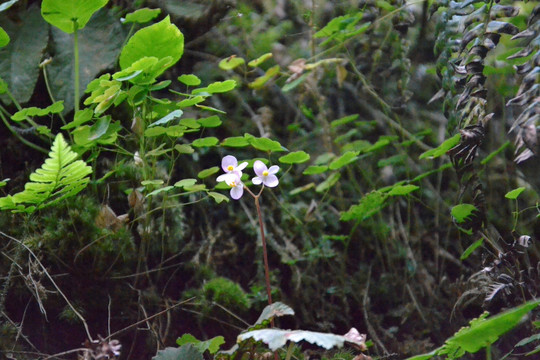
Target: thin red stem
x,y
265,253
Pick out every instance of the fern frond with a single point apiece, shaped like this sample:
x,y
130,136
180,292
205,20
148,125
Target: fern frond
x,y
61,176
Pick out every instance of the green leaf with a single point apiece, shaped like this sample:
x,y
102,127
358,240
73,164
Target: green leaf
x,y
152,183
81,117
160,190
471,248
205,142
368,206
190,123
61,176
190,102
264,144
235,141
328,183
184,149
209,108
441,149
189,80
216,87
344,120
262,80
296,157
462,211
185,183
4,38
218,198
70,16
343,160
258,61
231,62
400,190
207,172
141,16
485,331
168,118
212,345
514,194
185,352
338,24
210,122
34,111
161,40
315,169
19,60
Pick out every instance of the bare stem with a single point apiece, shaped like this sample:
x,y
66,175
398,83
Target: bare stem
x,y
265,253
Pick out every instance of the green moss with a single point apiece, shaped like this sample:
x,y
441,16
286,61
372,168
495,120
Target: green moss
x,y
226,293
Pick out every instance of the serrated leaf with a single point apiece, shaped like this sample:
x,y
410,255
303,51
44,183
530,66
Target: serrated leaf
x,y
236,141
462,211
161,40
296,157
205,142
277,338
315,169
514,194
60,176
258,61
70,16
343,160
441,149
400,190
207,172
141,16
231,62
189,80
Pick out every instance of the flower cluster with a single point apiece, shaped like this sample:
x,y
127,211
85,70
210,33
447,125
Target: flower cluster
x,y
233,175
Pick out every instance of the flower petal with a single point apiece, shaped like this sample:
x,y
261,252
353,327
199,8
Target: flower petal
x,y
228,178
256,180
227,161
259,167
237,192
271,181
242,166
273,169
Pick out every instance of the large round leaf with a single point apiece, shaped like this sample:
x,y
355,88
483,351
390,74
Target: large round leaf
x,y
72,15
159,40
19,60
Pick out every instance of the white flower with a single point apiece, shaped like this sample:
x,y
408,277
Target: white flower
x,y
229,164
264,175
233,180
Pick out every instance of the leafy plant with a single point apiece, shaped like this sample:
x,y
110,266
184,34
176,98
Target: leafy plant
x,y
61,176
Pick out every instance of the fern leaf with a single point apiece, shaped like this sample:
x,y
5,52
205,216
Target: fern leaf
x,y
60,176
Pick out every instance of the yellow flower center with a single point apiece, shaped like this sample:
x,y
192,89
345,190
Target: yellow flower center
x,y
230,168
265,173
233,184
